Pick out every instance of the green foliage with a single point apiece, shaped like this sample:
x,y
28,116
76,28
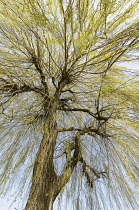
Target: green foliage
x,y
72,53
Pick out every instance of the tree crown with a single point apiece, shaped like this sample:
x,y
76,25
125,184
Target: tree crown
x,y
65,59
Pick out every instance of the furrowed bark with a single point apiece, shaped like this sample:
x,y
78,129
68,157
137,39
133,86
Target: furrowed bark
x,y
44,181
46,185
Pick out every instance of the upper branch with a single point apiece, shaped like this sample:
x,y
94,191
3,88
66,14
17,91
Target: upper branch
x,y
96,115
65,80
42,76
83,131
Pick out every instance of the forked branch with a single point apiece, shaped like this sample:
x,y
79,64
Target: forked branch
x,y
71,163
95,115
83,131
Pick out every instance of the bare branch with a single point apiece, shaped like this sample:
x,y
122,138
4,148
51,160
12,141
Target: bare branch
x,y
86,111
96,174
13,88
83,131
35,61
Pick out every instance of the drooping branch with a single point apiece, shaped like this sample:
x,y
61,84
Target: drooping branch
x,y
94,175
71,161
12,88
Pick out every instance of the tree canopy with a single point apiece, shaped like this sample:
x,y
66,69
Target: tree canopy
x,y
63,80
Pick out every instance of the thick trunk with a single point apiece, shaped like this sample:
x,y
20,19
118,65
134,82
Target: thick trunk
x,y
42,200
44,181
46,185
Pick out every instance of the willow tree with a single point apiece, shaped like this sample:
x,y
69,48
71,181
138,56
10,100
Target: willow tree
x,y
69,106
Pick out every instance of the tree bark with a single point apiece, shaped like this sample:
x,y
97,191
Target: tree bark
x,y
46,185
44,182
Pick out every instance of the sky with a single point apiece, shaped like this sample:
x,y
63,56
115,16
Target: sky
x,y
5,203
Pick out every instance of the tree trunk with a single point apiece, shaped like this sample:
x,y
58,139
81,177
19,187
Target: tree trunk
x,y
44,187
